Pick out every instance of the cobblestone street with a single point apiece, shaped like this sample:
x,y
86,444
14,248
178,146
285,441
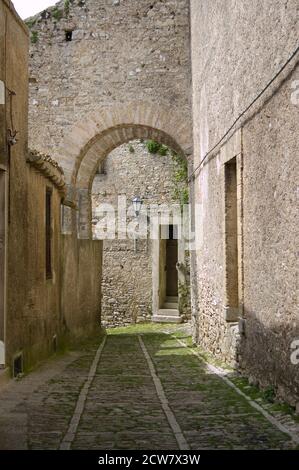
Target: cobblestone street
x,y
138,388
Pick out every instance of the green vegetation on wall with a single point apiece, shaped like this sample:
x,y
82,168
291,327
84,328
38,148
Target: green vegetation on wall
x,y
156,148
67,7
34,37
181,191
180,178
152,146
57,14
30,23
184,296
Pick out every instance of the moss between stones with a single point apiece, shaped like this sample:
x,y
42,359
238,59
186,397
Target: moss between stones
x,y
266,398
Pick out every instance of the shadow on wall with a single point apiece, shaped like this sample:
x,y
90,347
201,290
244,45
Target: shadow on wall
x,y
269,356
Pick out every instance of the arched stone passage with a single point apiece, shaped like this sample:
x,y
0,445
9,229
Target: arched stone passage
x,y
91,140
113,139
101,132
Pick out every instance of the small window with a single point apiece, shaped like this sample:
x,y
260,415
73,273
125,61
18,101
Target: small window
x,y
48,233
68,36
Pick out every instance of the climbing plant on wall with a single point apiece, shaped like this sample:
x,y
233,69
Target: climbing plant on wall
x,y
180,177
181,191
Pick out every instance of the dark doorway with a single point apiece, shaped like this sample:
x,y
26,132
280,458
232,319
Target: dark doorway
x,y
171,262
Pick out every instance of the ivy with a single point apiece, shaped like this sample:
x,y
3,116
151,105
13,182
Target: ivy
x,y
163,150
153,146
156,148
180,176
181,191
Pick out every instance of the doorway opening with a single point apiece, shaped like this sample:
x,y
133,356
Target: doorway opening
x,y
171,265
168,279
231,241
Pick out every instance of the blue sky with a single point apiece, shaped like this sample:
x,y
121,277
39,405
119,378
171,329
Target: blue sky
x,y
27,8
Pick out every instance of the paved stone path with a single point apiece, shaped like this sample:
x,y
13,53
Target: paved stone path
x,y
143,391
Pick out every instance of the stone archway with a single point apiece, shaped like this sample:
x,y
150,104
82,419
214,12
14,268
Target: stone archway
x,y
92,139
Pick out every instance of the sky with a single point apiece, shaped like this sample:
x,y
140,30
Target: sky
x,y
27,8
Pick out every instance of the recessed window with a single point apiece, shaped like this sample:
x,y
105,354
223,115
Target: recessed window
x,y
68,36
231,234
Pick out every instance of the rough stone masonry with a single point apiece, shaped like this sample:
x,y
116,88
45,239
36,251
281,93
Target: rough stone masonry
x,y
95,54
119,52
126,275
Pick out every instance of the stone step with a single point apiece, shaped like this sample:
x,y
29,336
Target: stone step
x,y
171,299
170,305
168,312
166,319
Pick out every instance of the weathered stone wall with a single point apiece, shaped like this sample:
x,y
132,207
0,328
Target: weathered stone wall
x,y
237,47
35,313
120,51
32,303
131,170
80,287
37,308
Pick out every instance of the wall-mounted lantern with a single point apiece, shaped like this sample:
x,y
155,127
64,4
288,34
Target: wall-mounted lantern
x,y
137,204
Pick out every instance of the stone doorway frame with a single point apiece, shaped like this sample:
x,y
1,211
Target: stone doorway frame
x,y
158,263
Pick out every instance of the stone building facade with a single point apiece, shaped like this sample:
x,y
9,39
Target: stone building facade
x,y
29,298
119,52
127,293
105,72
245,309
36,317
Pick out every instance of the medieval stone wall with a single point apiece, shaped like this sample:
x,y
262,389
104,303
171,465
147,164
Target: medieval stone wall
x,y
120,51
31,302
237,47
130,170
36,313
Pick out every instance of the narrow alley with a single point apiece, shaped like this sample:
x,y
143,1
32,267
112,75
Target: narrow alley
x,y
139,387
